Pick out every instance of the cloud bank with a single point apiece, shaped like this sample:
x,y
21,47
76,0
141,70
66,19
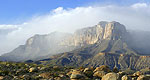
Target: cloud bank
x,y
136,16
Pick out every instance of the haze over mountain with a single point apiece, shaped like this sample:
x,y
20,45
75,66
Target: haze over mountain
x,y
107,42
68,19
113,46
74,40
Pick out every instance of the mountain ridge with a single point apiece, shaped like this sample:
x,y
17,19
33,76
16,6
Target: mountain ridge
x,y
113,50
107,42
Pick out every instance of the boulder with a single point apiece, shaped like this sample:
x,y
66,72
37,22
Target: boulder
x,y
45,75
76,75
110,76
87,69
138,73
88,72
1,77
134,78
69,73
125,77
122,73
62,75
103,68
99,74
143,77
33,69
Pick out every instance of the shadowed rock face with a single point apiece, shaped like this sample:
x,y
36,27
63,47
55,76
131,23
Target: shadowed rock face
x,y
106,43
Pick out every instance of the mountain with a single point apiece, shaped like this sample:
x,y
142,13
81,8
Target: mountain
x,y
43,46
107,43
113,46
39,46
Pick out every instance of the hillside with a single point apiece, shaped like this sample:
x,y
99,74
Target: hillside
x,y
113,48
107,43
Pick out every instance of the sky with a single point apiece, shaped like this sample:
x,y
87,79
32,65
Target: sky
x,y
21,19
17,11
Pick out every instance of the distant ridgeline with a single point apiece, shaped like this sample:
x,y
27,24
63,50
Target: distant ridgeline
x,y
107,43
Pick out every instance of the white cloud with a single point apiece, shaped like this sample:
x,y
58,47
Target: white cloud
x,y
140,5
58,10
68,20
8,26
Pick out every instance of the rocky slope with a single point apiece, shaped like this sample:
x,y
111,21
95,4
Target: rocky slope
x,y
113,48
107,43
38,47
26,71
122,61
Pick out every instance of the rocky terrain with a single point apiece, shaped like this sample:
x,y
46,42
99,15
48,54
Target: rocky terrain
x,y
29,71
43,46
107,43
113,47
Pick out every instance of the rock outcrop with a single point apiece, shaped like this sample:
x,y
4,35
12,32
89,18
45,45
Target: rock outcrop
x,y
110,76
101,31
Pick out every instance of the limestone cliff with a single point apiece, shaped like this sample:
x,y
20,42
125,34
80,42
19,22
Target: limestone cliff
x,y
91,35
114,31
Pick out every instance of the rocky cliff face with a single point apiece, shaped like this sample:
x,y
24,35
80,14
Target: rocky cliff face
x,y
114,31
101,31
85,36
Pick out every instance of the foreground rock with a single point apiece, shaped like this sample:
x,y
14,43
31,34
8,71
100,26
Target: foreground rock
x,y
88,72
144,77
99,74
24,71
103,68
76,75
125,77
46,75
1,77
110,76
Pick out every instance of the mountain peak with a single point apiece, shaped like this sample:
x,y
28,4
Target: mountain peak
x,y
105,43
114,30
102,23
57,42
